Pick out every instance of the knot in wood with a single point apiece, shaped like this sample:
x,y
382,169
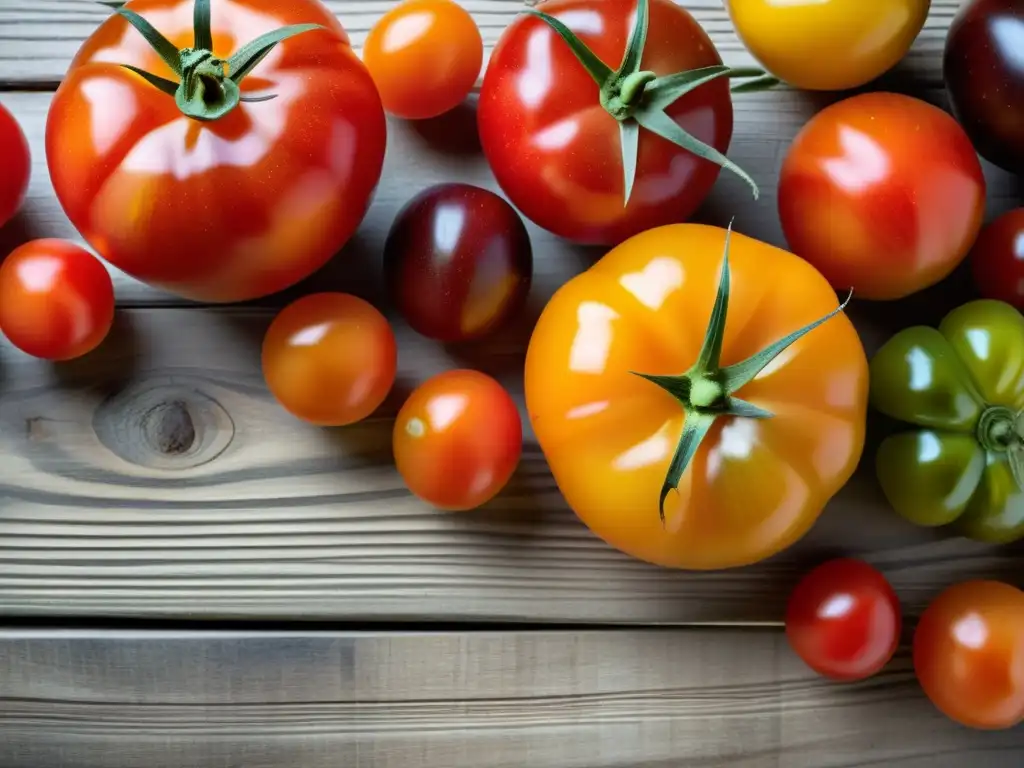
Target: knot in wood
x,y
168,428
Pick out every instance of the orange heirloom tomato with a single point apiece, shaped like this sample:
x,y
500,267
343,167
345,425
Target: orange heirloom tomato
x,y
219,149
424,56
739,428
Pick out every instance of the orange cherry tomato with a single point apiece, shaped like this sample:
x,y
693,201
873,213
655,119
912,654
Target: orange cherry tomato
x,y
753,485
424,56
458,439
969,651
56,300
330,359
15,166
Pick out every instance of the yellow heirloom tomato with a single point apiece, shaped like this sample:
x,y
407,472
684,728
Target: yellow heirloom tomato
x,y
828,45
697,411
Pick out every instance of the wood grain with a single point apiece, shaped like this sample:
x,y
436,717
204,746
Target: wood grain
x,y
651,699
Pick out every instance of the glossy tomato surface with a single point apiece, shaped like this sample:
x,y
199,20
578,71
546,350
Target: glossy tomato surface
x,y
968,651
56,299
556,152
754,486
828,44
457,440
883,193
330,358
843,620
984,74
997,259
424,56
458,262
15,165
232,209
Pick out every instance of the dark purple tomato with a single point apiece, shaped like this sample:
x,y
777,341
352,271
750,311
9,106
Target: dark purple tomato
x,y
983,68
458,262
997,259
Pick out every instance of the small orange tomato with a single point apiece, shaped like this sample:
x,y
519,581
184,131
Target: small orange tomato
x,y
424,56
56,300
457,440
330,359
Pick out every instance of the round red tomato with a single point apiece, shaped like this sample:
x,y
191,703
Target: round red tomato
x,y
458,262
424,56
457,440
56,300
15,166
233,195
555,139
330,359
843,620
997,259
969,654
883,193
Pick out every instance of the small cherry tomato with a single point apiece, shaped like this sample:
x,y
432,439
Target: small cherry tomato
x,y
969,652
997,259
883,193
424,56
330,359
843,620
458,262
457,440
15,166
828,45
56,300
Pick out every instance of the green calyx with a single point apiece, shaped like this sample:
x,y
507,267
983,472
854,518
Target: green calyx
x,y
638,99
1000,430
208,87
707,390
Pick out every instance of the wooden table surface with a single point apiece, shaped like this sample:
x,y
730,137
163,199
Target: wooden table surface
x,y
509,636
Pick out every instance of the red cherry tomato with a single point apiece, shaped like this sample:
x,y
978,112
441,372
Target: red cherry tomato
x,y
883,193
997,259
458,262
330,359
457,440
843,620
969,654
56,300
424,56
556,152
15,166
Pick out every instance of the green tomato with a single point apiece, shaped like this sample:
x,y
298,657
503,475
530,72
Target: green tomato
x,y
962,386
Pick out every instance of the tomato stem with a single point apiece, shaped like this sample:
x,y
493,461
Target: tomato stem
x,y
707,390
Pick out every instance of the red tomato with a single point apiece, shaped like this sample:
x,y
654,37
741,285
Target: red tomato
x,y
234,207
556,152
969,654
424,56
330,359
883,193
457,440
56,300
15,166
997,259
843,620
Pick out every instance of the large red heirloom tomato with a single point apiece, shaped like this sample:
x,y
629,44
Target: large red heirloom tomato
x,y
222,150
603,118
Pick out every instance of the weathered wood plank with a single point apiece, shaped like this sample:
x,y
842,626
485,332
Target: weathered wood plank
x,y
654,699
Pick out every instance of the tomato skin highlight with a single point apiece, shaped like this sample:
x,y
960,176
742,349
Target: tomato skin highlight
x,y
997,259
424,56
56,300
883,193
968,647
330,359
458,262
555,151
843,620
15,166
228,210
457,440
828,45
